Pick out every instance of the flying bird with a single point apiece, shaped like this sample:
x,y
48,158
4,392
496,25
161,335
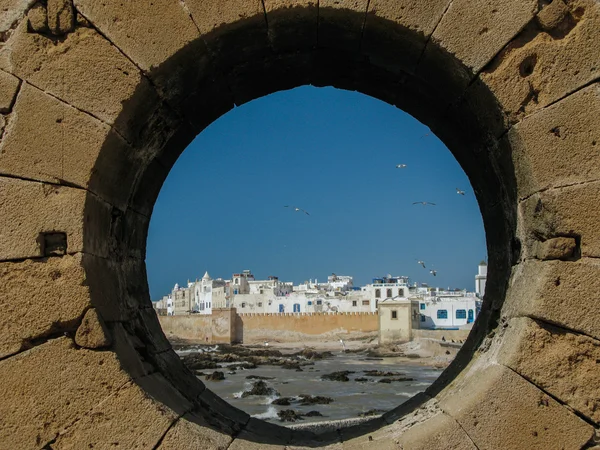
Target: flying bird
x,y
460,192
433,272
423,203
422,263
425,135
297,209
400,166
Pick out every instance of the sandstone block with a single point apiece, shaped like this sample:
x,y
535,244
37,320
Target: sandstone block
x,y
552,15
61,16
37,18
31,209
92,332
250,441
568,211
175,61
2,124
9,86
469,35
49,387
490,405
12,11
558,145
395,32
563,364
191,432
48,140
556,248
557,292
128,346
115,92
293,24
61,284
440,431
540,68
341,23
129,418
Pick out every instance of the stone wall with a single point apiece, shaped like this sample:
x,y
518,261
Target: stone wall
x,y
215,328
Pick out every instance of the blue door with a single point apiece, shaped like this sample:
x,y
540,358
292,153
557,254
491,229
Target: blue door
x,y
281,308
296,307
470,317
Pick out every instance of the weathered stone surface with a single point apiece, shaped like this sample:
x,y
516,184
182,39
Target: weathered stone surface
x,y
130,418
210,16
558,146
569,211
9,85
175,61
250,441
563,364
31,208
395,32
61,16
11,11
293,24
110,92
60,282
473,32
48,140
92,332
338,28
490,404
540,68
552,15
37,18
440,431
556,248
127,347
49,387
191,432
557,292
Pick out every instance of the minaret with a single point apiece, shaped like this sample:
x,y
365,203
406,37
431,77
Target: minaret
x,y
480,279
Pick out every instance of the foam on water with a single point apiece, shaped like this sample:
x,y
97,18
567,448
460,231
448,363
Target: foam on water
x,y
270,413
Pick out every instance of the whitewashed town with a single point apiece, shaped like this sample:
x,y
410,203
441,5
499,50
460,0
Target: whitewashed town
x,y
437,308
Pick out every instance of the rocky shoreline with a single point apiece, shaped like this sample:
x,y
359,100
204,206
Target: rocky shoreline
x,y
216,363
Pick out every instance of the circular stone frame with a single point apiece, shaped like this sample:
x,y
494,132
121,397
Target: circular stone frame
x,y
99,98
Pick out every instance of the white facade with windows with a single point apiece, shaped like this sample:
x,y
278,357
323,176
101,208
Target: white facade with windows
x,y
480,279
448,310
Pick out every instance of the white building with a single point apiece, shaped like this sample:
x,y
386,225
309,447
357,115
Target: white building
x,y
384,288
448,309
480,279
208,294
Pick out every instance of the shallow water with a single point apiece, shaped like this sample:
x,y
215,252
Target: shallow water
x,y
350,398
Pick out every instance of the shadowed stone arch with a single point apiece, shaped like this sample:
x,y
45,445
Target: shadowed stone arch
x,y
98,101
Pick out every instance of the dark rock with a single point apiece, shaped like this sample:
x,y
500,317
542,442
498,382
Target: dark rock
x,y
313,414
215,376
284,401
258,377
316,400
379,373
361,379
337,376
288,415
385,380
291,365
260,388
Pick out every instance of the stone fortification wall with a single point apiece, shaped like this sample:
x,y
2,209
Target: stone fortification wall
x,y
300,327
215,328
99,98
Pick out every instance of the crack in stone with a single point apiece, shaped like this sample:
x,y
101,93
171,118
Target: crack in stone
x,y
558,188
558,400
431,35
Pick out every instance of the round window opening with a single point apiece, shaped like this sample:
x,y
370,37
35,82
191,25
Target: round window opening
x,y
283,185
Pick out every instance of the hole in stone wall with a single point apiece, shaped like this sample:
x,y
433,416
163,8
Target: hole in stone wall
x,y
270,211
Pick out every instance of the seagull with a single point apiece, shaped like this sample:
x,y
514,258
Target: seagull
x,y
423,203
400,166
422,263
297,209
433,272
460,192
425,135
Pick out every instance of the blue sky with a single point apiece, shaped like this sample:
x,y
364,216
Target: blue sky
x,y
332,153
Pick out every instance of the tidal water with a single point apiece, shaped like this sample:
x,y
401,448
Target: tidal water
x,y
349,398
